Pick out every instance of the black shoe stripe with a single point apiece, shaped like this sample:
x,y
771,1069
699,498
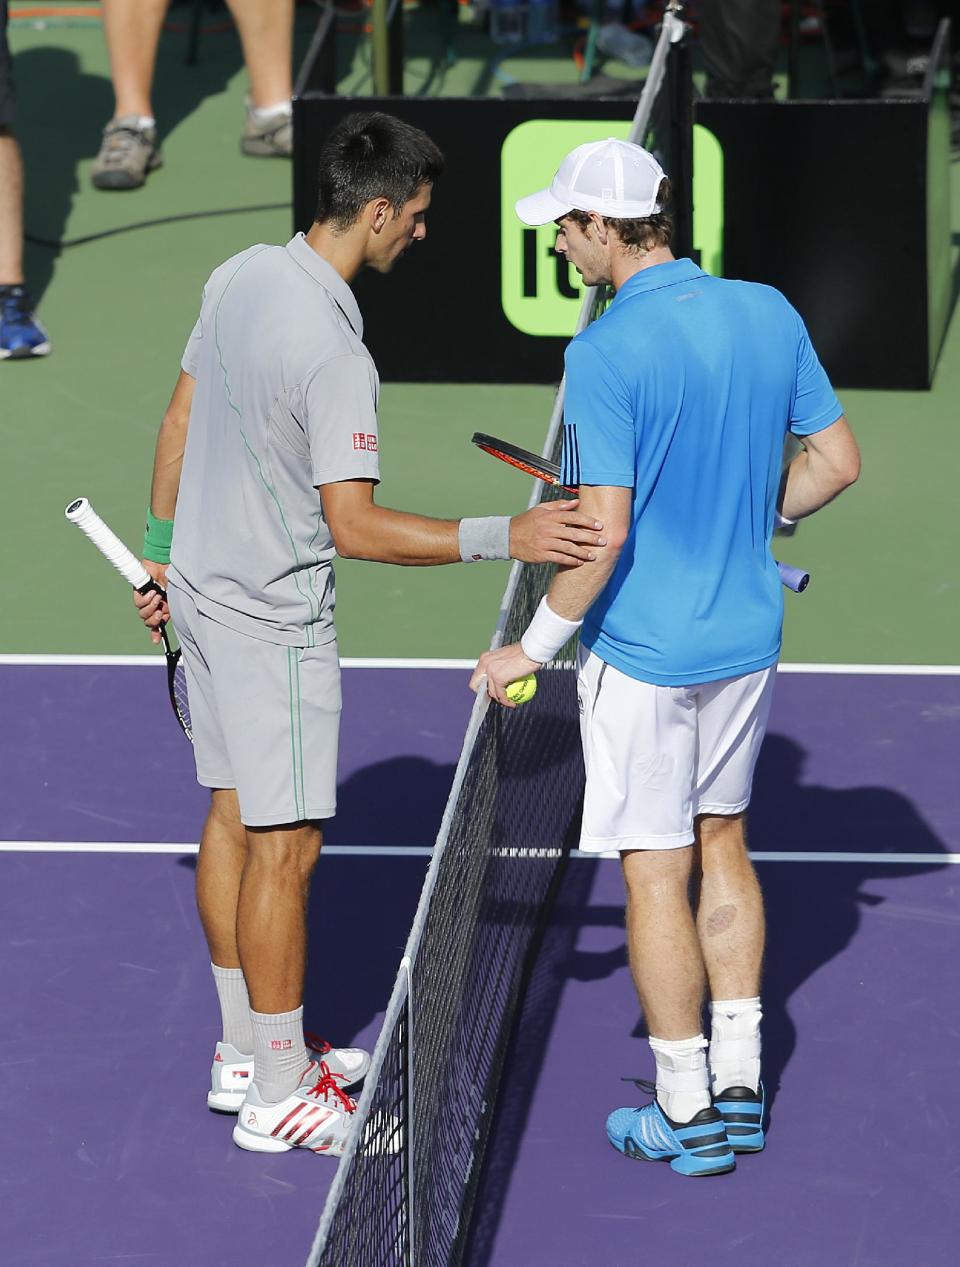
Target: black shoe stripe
x,y
703,1141
732,1118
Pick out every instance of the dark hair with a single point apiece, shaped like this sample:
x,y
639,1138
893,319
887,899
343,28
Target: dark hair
x,y
642,234
369,156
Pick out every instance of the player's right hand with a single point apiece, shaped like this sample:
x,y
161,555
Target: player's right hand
x,y
152,608
556,532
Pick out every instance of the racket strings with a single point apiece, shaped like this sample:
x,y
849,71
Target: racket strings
x,y
181,702
526,467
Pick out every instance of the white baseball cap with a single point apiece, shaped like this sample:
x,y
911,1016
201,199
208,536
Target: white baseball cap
x,y
615,178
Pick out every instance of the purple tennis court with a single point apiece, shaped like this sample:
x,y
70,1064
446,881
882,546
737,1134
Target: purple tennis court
x,y
113,1157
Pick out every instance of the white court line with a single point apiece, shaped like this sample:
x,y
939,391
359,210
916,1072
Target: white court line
x,y
143,847
377,662
868,670
133,848
158,661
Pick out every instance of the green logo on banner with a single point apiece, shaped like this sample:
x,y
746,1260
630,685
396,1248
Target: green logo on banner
x,y
539,291
708,200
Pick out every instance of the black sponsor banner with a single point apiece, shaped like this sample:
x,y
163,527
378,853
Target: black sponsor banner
x,y
482,299
844,206
831,202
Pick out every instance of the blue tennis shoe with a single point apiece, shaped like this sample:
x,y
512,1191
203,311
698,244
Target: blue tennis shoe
x,y
21,334
742,1113
697,1147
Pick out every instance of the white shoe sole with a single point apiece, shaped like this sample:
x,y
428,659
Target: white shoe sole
x,y
225,1101
258,1143
254,1143
23,354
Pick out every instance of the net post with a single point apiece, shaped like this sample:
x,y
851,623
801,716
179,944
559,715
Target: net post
x,y
406,971
678,91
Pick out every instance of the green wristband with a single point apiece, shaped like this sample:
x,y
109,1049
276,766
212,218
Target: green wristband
x,y
156,538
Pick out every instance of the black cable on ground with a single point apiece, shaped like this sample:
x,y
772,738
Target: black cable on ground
x,y
150,224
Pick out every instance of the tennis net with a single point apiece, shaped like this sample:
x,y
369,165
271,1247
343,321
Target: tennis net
x,y
403,1192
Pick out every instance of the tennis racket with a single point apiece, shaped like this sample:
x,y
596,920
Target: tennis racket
x,y
81,513
543,469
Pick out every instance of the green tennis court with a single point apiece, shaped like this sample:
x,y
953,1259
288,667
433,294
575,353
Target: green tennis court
x,y
119,311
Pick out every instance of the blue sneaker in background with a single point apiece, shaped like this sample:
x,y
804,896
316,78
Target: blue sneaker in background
x,y
697,1147
742,1113
21,334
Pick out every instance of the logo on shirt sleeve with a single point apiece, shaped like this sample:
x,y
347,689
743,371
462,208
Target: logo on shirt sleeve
x,y
366,442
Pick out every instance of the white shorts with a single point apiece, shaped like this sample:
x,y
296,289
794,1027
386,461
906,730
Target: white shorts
x,y
657,756
265,718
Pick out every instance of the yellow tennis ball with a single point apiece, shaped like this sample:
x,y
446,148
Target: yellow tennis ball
x,y
523,690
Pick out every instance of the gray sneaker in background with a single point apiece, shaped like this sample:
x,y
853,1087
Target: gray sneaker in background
x,y
127,152
271,138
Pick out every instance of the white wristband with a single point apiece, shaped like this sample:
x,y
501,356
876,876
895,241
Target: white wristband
x,y
484,538
547,633
781,521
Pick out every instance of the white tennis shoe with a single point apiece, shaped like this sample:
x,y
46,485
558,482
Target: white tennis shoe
x,y
318,1116
232,1072
349,1065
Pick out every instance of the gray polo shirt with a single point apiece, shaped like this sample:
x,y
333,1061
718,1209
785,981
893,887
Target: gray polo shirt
x,y
285,400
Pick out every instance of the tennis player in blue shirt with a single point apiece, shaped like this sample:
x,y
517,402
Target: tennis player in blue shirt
x,y
678,403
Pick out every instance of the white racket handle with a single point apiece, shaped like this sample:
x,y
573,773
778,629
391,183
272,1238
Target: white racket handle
x,y
81,513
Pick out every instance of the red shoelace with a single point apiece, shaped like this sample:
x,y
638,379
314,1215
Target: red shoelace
x,y
317,1044
326,1085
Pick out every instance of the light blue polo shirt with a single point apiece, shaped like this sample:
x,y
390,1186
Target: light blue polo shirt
x,y
684,391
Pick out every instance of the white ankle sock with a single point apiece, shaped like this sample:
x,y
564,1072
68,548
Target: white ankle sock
x,y
279,1053
683,1080
735,1044
234,1008
265,114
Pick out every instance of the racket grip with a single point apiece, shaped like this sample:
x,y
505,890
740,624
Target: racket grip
x,y
793,578
81,513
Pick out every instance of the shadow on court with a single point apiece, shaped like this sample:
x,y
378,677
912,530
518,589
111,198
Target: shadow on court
x,y
809,923
57,131
397,802
60,130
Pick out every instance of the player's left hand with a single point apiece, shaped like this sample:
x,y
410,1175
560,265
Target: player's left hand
x,y
152,608
556,532
496,669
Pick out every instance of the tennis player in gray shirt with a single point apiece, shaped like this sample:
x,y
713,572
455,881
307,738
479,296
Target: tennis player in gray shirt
x,y
268,457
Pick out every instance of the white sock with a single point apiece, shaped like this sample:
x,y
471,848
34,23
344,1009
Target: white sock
x,y
735,1044
683,1080
279,1053
265,114
234,1008
146,121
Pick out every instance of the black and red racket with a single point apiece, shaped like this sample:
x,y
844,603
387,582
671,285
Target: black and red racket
x,y
541,468
81,513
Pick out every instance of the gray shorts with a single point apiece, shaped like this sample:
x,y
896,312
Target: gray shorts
x,y
266,718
